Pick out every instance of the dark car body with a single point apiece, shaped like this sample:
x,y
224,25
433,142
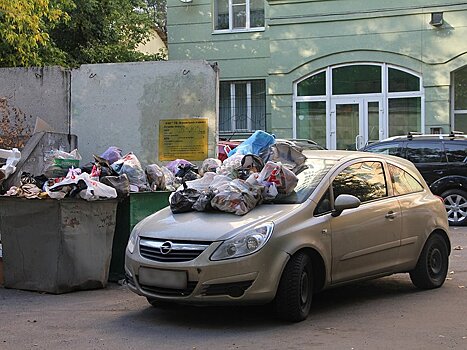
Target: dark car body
x,y
442,161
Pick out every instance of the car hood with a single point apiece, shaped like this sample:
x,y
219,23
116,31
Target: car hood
x,y
207,226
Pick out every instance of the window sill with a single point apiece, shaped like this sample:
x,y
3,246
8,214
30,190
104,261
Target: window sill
x,y
234,31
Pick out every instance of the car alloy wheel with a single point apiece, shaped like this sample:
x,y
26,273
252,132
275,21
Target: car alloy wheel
x,y
455,202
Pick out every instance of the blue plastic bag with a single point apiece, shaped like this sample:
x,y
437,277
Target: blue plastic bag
x,y
255,144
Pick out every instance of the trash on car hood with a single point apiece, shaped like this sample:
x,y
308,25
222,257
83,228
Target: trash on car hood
x,y
207,226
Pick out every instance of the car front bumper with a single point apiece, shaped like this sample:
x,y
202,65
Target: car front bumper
x,y
252,279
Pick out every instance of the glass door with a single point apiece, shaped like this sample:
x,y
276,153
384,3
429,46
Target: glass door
x,y
355,122
345,124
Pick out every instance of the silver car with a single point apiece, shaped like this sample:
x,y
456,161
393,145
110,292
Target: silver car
x,y
352,216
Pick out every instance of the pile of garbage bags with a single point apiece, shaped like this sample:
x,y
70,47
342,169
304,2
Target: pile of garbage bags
x,y
258,170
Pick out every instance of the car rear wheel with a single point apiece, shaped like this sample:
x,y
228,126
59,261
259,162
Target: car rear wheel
x,y
455,202
432,266
295,291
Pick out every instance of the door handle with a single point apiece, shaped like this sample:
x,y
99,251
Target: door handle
x,y
440,172
390,215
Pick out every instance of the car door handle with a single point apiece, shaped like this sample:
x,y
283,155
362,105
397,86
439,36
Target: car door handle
x,y
440,172
390,215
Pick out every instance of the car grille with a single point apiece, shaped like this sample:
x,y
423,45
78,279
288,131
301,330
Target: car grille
x,y
170,251
171,292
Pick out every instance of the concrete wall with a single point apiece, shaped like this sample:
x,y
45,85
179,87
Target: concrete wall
x,y
122,104
30,93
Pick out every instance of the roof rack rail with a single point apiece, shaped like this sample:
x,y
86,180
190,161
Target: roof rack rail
x,y
454,133
412,133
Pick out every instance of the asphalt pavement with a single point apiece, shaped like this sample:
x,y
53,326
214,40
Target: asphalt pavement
x,y
388,313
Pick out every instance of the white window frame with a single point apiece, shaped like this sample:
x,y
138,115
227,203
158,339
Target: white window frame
x,y
385,95
455,111
231,29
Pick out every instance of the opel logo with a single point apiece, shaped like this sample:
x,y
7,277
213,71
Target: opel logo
x,y
166,248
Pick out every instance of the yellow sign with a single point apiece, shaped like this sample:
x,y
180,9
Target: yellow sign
x,y
183,139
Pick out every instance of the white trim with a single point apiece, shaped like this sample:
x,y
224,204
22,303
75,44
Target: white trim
x,y
381,97
233,122
248,105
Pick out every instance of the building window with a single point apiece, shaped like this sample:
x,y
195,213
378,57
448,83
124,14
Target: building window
x,y
232,15
460,99
242,106
348,106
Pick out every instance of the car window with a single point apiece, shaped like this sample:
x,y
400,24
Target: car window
x,y
391,148
363,180
425,152
456,151
324,204
403,182
308,179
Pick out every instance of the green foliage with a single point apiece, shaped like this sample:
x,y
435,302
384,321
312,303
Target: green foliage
x,y
74,32
23,30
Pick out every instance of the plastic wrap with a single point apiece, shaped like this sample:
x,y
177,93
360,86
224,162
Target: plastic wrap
x,y
155,177
238,197
284,179
209,165
258,142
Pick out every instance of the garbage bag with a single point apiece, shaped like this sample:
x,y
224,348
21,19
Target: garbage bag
x,y
203,203
112,154
170,182
155,177
93,190
209,165
231,166
239,197
57,162
121,184
284,179
182,201
187,172
255,144
131,166
203,183
174,166
288,154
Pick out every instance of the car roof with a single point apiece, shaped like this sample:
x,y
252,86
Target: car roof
x,y
339,155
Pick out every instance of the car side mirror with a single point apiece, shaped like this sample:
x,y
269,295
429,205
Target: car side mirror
x,y
345,201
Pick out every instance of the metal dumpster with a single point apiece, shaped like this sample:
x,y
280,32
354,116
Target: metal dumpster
x,y
130,211
56,246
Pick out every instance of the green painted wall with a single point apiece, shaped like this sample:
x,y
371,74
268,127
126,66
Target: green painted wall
x,y
303,36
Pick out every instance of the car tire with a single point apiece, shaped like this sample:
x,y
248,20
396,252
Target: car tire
x,y
455,201
295,291
432,266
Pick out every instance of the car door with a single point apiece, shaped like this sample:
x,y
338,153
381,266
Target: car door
x,y
429,158
365,240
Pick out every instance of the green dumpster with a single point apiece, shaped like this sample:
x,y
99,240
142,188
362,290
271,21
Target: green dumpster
x,y
130,211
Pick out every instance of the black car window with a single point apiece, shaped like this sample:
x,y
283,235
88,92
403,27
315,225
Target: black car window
x,y
391,148
403,182
425,152
364,180
456,151
324,204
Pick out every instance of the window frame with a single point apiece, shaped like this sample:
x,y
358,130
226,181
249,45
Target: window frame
x,y
249,106
231,29
455,111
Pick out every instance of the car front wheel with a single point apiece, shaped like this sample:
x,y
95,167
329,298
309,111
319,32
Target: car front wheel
x,y
295,291
432,266
455,202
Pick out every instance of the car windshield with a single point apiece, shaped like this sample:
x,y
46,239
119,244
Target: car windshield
x,y
308,179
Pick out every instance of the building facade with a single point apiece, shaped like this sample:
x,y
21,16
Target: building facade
x,y
340,72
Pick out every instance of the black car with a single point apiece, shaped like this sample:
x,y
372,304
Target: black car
x,y
442,161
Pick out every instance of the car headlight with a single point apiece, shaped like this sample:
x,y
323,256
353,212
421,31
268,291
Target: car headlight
x,y
132,241
244,243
